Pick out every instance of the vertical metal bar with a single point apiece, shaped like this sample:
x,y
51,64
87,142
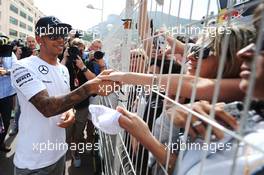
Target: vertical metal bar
x,y
126,153
193,95
215,95
157,96
150,97
250,90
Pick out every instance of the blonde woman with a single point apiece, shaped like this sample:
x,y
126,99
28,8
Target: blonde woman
x,y
238,38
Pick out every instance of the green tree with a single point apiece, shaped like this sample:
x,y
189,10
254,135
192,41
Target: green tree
x,y
88,36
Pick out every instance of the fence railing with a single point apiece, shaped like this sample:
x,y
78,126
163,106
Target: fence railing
x,y
142,20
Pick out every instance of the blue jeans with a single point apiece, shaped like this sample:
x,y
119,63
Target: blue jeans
x,y
55,169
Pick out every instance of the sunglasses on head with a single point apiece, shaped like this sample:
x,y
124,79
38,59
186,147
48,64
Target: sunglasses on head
x,y
56,37
197,49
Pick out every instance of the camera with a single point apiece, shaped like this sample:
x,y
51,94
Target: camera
x,y
73,53
78,35
5,48
26,52
98,55
159,42
234,108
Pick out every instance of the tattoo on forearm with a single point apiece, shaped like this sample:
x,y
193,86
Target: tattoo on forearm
x,y
50,106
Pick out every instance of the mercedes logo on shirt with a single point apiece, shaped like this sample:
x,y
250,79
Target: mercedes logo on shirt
x,y
43,69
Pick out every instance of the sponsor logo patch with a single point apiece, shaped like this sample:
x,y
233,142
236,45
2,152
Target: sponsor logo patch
x,y
43,69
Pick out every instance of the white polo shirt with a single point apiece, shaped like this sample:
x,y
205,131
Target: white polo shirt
x,y
40,142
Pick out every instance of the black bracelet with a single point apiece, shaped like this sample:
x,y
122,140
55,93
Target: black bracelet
x,y
84,69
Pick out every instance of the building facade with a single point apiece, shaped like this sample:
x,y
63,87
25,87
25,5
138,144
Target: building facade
x,y
18,17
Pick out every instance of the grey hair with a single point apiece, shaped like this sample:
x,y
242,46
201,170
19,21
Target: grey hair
x,y
97,41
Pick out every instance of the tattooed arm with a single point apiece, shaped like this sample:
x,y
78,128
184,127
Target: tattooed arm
x,y
50,106
33,89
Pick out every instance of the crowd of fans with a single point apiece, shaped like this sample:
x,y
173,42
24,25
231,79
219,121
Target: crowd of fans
x,y
205,54
159,125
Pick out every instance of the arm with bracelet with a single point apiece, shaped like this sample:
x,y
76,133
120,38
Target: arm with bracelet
x,y
87,73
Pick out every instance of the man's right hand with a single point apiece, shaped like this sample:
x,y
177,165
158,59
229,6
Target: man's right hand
x,y
102,87
112,76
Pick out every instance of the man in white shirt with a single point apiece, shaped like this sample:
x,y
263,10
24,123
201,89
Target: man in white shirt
x,y
43,90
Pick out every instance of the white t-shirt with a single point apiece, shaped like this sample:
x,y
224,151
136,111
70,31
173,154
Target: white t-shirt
x,y
40,142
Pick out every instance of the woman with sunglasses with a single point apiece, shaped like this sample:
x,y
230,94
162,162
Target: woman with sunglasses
x,y
208,49
238,38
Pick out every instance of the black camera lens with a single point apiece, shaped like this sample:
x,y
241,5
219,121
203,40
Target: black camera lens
x,y
6,50
98,55
73,53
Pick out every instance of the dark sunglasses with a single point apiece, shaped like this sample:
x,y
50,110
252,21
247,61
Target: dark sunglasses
x,y
56,37
197,49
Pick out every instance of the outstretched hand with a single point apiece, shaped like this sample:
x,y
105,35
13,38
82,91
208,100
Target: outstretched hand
x,y
134,125
198,127
112,76
103,86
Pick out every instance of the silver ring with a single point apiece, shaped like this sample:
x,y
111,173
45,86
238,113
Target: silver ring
x,y
196,123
